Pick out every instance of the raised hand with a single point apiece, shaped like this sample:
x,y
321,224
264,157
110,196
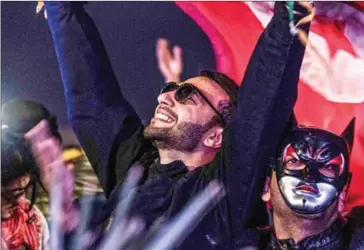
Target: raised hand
x,y
169,61
47,152
40,7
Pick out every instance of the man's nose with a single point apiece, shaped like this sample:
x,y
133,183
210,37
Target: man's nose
x,y
307,173
167,98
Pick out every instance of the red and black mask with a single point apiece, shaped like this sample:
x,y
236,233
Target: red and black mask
x,y
313,168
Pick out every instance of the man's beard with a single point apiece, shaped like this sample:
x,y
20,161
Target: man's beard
x,y
184,137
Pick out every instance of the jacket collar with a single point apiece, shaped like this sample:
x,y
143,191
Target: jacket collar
x,y
173,170
330,237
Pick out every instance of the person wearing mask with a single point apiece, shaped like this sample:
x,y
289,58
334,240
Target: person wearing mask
x,y
307,189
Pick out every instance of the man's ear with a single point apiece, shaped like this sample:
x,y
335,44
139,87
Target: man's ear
x,y
266,192
213,137
343,195
342,199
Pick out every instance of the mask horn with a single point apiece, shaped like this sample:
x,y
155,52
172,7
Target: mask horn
x,y
293,120
290,125
348,133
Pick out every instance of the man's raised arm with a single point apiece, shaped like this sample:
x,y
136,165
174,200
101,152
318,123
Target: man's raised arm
x,y
99,114
265,102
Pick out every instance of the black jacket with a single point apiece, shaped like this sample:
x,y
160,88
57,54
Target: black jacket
x,y
344,233
110,131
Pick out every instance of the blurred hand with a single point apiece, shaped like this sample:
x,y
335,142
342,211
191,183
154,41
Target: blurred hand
x,y
48,154
169,62
40,7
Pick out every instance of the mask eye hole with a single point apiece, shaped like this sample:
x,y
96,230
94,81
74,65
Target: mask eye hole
x,y
334,168
330,170
292,162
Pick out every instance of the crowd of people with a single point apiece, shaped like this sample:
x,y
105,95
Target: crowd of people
x,y
236,155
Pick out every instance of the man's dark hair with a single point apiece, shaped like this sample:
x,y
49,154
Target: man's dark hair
x,y
20,116
229,86
17,118
16,158
17,161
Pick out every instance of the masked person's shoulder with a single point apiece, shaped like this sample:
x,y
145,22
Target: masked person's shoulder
x,y
354,228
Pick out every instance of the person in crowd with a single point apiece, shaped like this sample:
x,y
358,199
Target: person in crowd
x,y
22,115
307,189
23,226
204,128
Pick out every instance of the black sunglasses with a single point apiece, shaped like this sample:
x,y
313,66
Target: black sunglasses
x,y
185,91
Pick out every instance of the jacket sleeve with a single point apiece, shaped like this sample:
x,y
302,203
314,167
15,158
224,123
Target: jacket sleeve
x,y
265,102
99,114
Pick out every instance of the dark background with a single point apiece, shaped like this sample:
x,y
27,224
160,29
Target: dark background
x,y
129,30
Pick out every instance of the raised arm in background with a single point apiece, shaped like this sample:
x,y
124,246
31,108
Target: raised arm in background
x,y
265,102
100,116
170,62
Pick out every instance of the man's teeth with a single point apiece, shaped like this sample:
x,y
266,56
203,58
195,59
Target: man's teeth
x,y
163,117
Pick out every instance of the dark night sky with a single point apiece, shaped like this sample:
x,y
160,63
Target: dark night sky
x,y
129,30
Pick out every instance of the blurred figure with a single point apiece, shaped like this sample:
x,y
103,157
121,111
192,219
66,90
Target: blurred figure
x,y
76,161
23,226
86,182
22,115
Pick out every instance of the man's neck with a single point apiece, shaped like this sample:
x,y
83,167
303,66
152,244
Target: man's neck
x,y
298,228
191,160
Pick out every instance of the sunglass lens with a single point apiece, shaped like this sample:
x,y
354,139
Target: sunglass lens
x,y
184,92
169,87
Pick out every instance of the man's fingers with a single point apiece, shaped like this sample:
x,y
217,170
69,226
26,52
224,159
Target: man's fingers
x,y
51,146
162,43
163,53
160,50
40,6
68,182
39,133
177,53
55,173
177,65
47,151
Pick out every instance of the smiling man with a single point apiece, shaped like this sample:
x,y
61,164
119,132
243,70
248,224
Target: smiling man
x,y
187,122
202,128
